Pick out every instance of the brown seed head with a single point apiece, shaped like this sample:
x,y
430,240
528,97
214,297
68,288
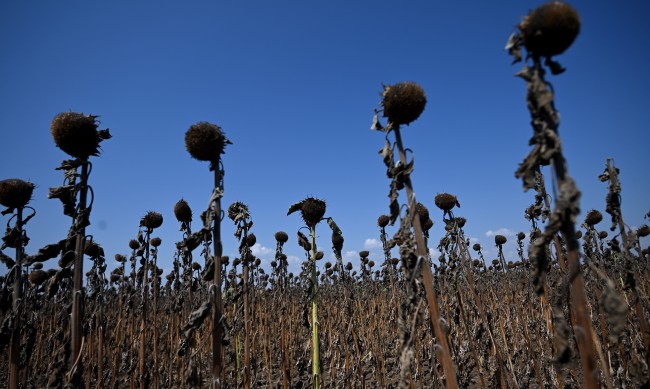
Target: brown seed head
x,y
348,266
550,29
205,141
151,220
237,209
120,258
15,193
643,231
312,210
134,244
281,237
383,221
593,217
521,236
403,102
182,211
460,221
319,255
76,134
196,266
394,261
37,277
476,247
427,225
155,242
602,234
578,234
364,254
500,240
251,239
446,201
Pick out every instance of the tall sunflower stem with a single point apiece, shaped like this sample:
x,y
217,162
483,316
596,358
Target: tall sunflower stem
x,y
443,354
314,312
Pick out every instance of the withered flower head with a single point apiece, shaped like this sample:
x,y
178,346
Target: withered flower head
x,y
76,134
311,209
328,265
394,261
550,29
593,217
578,234
151,220
460,222
134,244
446,201
155,242
476,247
237,210
403,102
383,221
427,225
348,266
364,254
37,266
602,234
120,258
251,239
205,141
500,240
319,255
93,250
521,236
643,231
15,193
196,266
281,237
182,211
37,277
422,212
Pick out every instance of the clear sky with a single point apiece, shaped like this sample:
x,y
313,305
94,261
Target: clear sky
x,y
293,84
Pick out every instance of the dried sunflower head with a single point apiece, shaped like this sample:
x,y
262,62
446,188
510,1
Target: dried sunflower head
x,y
521,236
205,141
38,277
383,221
251,239
237,211
476,247
281,237
311,209
593,217
364,254
134,244
446,201
602,234
182,211
403,102
500,239
155,242
15,193
76,134
550,29
643,231
151,220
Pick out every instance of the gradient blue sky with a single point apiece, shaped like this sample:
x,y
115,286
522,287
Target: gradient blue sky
x,y
293,84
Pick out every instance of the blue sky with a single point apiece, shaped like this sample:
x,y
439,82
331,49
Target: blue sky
x,y
293,84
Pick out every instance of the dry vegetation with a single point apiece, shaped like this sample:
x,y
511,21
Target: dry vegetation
x,y
571,312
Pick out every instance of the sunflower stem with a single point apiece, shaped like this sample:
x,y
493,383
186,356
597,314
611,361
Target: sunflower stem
x,y
314,311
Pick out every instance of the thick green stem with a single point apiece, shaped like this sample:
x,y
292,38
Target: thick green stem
x,y
314,312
